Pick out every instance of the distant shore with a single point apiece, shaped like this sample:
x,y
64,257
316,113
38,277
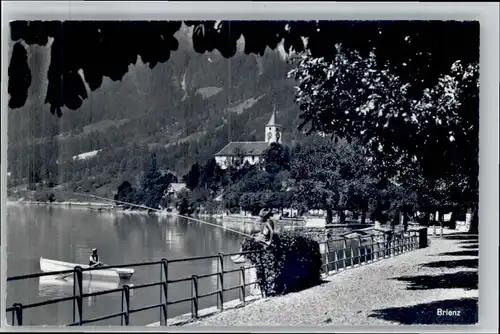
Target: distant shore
x,y
100,206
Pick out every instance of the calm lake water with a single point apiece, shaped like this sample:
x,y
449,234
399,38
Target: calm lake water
x,y
69,234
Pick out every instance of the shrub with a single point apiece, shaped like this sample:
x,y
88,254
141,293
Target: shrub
x,y
291,263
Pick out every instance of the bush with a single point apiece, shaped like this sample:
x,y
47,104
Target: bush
x,y
291,263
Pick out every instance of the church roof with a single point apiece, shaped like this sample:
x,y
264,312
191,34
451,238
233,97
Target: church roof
x,y
246,148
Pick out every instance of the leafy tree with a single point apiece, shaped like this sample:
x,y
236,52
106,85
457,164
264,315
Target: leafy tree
x,y
184,203
211,176
276,158
154,185
192,178
247,202
51,198
331,174
105,48
359,98
315,172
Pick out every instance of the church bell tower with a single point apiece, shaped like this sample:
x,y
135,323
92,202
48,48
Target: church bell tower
x,y
273,130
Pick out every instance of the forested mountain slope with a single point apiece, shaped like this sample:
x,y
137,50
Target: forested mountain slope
x,y
178,110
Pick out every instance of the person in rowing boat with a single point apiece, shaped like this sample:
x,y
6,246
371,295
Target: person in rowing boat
x,y
94,259
265,236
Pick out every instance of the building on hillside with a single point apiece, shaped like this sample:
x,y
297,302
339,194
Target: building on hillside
x,y
249,151
175,188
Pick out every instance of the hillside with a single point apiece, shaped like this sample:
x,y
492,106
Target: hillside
x,y
179,110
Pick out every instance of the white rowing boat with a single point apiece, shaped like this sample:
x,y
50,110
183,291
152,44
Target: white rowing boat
x,y
47,265
50,286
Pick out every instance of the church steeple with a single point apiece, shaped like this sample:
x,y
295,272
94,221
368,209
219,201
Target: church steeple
x,y
272,120
273,130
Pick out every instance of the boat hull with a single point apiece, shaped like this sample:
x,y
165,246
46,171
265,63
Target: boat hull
x,y
50,286
47,265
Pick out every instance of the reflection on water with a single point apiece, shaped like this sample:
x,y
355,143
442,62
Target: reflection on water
x,y
55,287
68,235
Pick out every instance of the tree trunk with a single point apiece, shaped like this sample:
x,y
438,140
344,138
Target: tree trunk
x,y
341,216
441,223
453,220
474,223
355,215
406,219
394,220
363,217
329,216
427,219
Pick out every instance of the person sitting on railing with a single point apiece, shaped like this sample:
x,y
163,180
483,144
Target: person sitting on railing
x,y
267,232
94,259
265,236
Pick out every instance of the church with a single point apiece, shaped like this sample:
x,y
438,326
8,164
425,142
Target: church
x,y
249,151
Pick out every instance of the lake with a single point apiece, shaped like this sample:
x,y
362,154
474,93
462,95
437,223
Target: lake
x,y
69,235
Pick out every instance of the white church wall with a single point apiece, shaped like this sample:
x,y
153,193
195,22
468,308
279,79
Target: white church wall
x,y
224,161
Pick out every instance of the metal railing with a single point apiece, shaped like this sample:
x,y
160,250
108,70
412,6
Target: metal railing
x,y
78,296
369,248
352,256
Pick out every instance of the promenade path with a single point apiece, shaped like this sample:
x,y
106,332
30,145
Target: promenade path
x,y
406,289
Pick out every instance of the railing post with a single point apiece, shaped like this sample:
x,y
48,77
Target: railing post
x,y
194,294
345,253
360,257
327,258
263,286
336,261
126,294
221,277
19,313
79,299
243,284
422,242
218,284
352,256
74,294
387,246
372,238
379,251
123,315
164,264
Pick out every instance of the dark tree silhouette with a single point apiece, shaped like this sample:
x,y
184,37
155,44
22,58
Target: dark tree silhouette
x,y
276,158
417,49
361,98
192,178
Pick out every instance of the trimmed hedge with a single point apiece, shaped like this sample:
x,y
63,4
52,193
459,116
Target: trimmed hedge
x,y
291,263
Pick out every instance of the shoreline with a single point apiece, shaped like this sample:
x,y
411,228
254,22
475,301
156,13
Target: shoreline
x,y
104,206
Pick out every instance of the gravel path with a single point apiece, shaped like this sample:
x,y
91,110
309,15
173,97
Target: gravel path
x,y
406,289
